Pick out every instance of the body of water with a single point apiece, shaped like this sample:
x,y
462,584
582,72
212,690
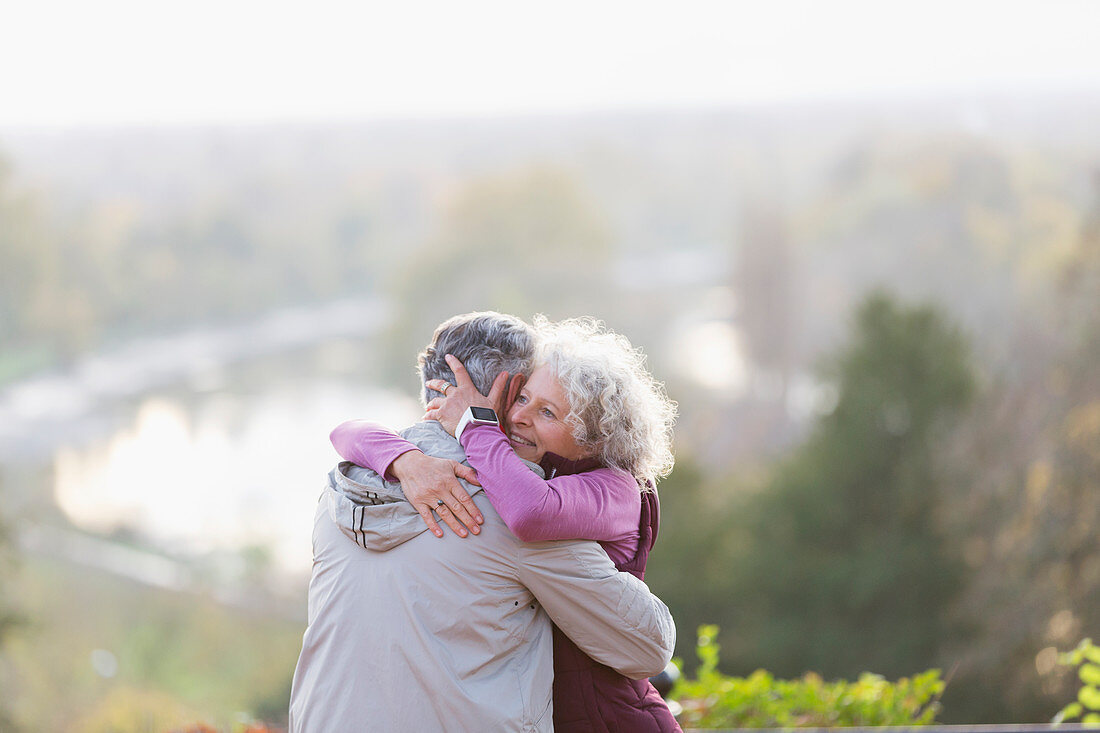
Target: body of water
x,y
208,441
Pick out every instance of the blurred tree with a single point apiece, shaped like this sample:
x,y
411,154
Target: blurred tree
x,y
842,567
764,286
26,267
1030,463
52,296
952,218
522,243
72,277
693,534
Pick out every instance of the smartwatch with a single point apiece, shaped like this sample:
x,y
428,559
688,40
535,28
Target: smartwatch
x,y
476,416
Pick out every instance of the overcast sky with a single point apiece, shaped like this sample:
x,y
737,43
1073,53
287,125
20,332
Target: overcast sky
x,y
74,62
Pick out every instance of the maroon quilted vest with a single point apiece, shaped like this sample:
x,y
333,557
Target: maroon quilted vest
x,y
592,698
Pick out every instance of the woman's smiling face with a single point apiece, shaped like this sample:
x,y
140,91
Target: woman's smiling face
x,y
536,421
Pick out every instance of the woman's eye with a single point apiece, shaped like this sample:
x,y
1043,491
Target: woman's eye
x,y
522,399
546,411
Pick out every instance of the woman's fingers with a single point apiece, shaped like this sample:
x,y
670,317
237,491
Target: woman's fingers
x,y
426,514
451,512
430,485
439,385
453,504
465,500
466,472
462,377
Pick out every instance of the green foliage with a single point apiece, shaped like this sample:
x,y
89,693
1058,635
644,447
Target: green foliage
x,y
713,700
843,565
1086,658
694,534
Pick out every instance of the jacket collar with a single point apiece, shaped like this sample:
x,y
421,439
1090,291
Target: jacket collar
x,y
554,465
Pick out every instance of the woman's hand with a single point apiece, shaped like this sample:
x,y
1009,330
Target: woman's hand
x,y
457,397
430,484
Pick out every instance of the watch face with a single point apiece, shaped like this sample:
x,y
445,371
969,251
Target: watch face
x,y
483,413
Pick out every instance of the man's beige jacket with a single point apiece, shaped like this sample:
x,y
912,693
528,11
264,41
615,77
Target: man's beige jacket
x,y
410,632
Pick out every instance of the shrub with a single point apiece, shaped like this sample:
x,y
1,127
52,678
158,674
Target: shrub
x,y
1086,657
713,700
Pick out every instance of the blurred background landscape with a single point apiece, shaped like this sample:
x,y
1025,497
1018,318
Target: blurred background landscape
x,y
878,310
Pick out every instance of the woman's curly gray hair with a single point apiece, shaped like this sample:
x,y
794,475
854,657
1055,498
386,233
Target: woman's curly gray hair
x,y
617,409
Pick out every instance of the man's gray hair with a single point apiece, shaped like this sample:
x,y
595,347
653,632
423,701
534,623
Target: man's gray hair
x,y
487,343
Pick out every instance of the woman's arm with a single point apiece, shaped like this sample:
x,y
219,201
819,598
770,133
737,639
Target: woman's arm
x,y
429,483
601,505
369,444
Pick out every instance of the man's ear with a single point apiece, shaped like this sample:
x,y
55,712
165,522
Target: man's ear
x,y
515,384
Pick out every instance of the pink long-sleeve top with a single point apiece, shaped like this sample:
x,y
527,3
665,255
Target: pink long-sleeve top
x,y
601,505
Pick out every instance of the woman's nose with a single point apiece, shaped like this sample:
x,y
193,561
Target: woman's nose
x,y
518,415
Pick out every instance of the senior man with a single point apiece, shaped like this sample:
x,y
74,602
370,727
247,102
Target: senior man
x,y
411,632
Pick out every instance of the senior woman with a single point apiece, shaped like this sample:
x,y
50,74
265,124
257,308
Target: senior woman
x,y
599,426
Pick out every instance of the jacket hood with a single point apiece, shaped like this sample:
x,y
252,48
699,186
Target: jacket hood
x,y
374,512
